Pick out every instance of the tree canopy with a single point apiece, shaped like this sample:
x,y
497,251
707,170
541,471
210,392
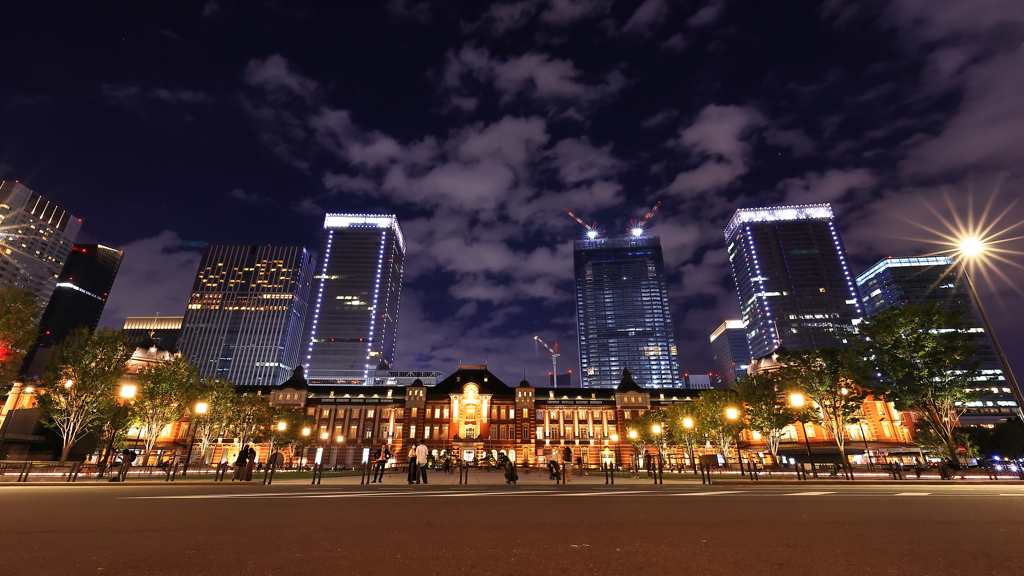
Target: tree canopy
x,y
18,329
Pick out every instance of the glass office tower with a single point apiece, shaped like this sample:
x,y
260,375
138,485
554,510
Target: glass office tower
x,y
793,283
246,314
622,313
35,238
936,279
731,351
353,326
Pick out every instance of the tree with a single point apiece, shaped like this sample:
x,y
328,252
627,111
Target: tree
x,y
166,390
922,355
676,416
81,383
711,411
293,419
640,436
251,418
767,407
220,397
830,377
18,329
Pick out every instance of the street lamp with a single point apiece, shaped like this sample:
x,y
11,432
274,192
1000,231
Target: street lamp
x,y
656,429
126,394
797,401
201,408
969,248
734,414
688,425
305,435
635,462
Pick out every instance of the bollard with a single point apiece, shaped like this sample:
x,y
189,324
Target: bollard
x,y
26,469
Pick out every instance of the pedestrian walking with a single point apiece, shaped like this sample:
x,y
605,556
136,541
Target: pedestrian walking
x,y
422,456
567,463
250,463
380,459
918,467
511,475
240,462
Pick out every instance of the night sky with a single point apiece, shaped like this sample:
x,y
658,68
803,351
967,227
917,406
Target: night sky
x,y
167,123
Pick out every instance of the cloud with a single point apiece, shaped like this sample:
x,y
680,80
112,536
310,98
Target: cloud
x,y
577,160
250,198
345,183
562,12
649,15
718,139
274,74
675,43
211,9
409,10
155,276
829,186
800,143
534,75
660,118
336,131
133,95
504,17
707,15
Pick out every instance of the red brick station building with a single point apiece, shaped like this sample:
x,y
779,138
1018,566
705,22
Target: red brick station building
x,y
473,414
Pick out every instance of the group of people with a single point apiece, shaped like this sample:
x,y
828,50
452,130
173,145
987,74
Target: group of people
x,y
561,464
244,464
419,461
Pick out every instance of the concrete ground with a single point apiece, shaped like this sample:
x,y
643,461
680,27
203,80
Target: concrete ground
x,y
535,527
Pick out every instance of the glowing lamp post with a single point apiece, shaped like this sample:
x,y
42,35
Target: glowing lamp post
x,y
656,430
125,394
796,400
969,248
734,415
200,409
688,426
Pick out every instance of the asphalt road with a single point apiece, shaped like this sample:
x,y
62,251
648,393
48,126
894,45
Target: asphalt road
x,y
294,528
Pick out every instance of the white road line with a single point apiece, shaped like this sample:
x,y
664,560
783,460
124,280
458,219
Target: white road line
x,y
913,494
716,493
808,494
600,493
1011,494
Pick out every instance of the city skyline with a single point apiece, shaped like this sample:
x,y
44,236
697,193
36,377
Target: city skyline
x,y
226,123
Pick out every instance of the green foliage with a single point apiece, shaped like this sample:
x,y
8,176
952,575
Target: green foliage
x,y
18,329
82,379
767,407
250,419
166,390
832,379
675,416
923,354
219,396
294,419
710,415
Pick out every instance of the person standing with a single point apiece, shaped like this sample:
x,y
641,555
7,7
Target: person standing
x,y
250,457
412,460
422,455
380,459
567,464
240,461
918,467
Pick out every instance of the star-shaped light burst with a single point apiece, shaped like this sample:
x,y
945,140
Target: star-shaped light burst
x,y
980,241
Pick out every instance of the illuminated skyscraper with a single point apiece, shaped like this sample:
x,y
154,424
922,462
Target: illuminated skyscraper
x,y
245,317
353,325
78,300
35,238
622,313
794,286
731,351
936,280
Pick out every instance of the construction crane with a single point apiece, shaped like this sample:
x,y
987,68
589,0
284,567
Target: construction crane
x,y
592,232
637,228
554,359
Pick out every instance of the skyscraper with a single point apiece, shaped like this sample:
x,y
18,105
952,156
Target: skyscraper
x,y
794,286
622,313
730,350
245,317
35,239
77,301
81,293
353,325
935,280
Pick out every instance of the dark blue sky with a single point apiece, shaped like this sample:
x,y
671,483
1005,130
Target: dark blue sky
x,y
477,123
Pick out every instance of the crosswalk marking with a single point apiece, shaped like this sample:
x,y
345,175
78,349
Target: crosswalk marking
x,y
913,494
808,493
